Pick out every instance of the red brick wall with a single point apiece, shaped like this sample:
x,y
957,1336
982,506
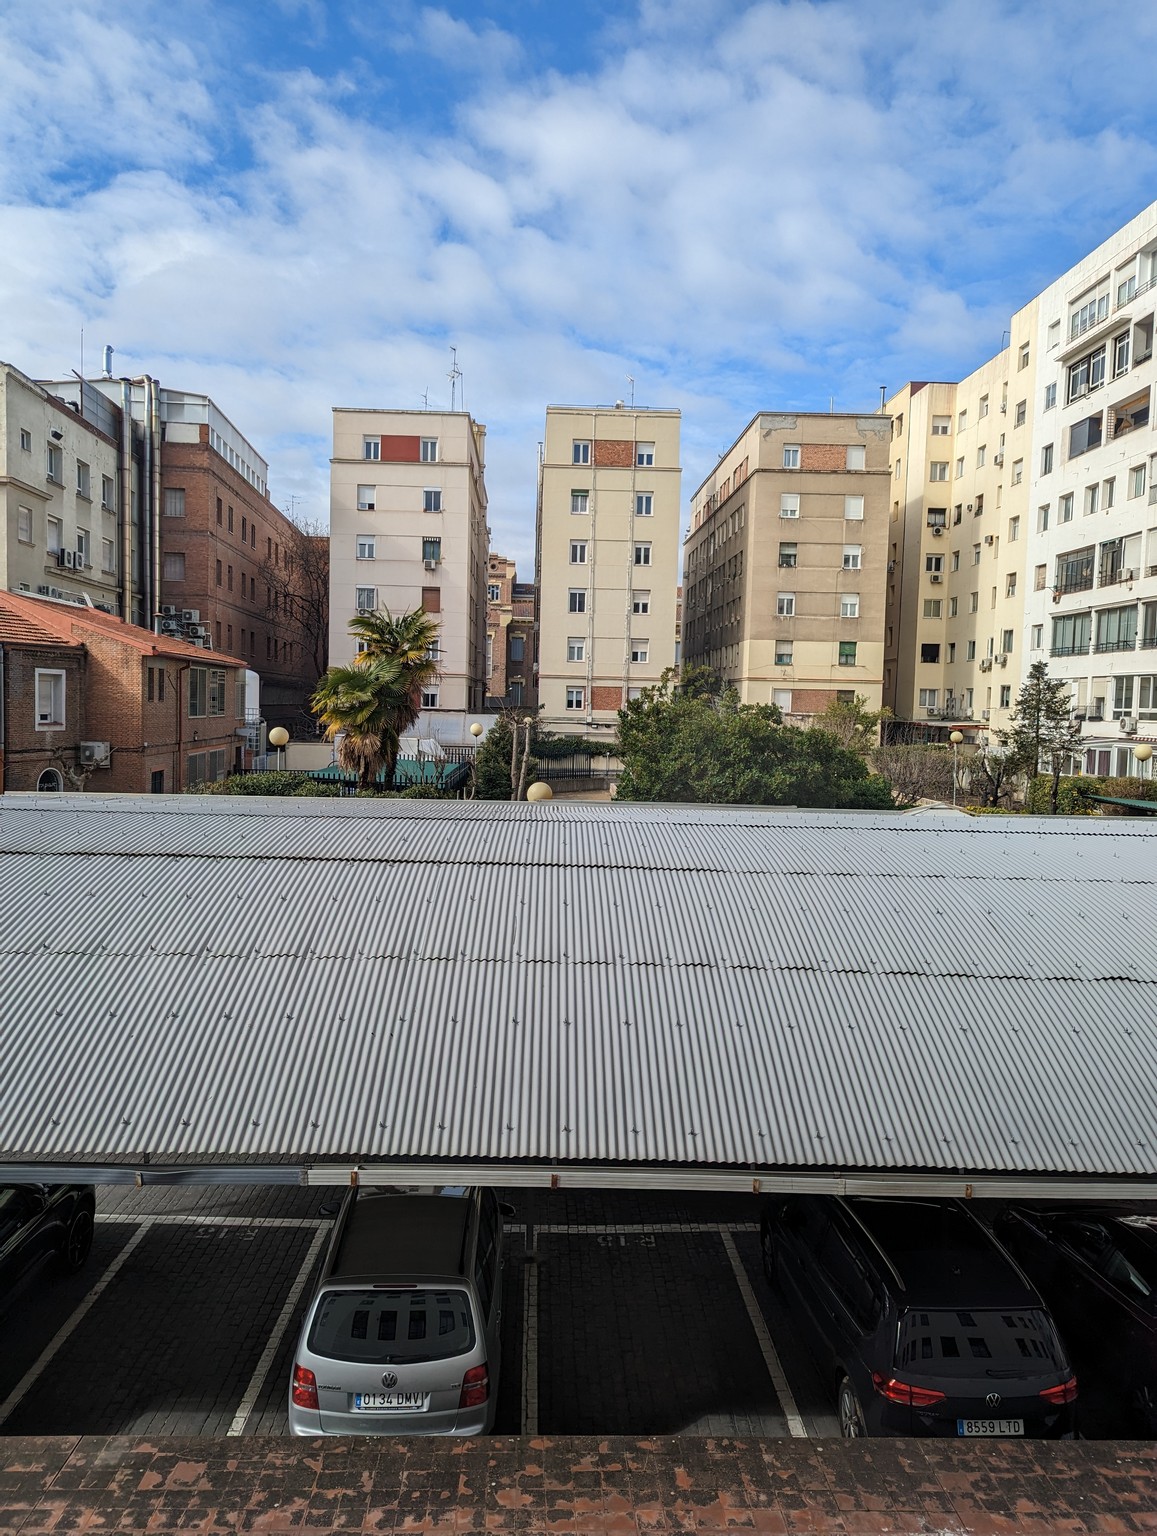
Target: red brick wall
x,y
823,456
614,452
401,450
605,697
29,751
811,701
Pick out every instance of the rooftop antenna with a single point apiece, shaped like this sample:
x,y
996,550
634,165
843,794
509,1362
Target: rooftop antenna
x,y
883,396
426,399
454,375
631,382
82,354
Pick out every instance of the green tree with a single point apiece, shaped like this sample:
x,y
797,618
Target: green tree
x,y
506,757
852,723
1042,733
696,745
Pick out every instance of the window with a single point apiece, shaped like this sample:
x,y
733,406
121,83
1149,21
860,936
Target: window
x,y
429,698
155,684
26,440
1071,635
850,605
577,600
372,448
933,606
788,554
847,657
781,698
641,602
640,650
783,653
856,457
852,554
244,529
1137,481
108,493
941,426
431,499
198,692
174,567
55,463
1084,435
432,550
933,564
229,577
83,480
896,469
970,651
642,554
937,517
1017,471
951,650
1117,629
1010,584
1046,459
24,525
1092,496
55,530
365,599
580,454
1089,314
229,519
218,511
791,455
789,504
366,547
955,560
108,559
1050,396
49,700
1038,636
961,421
929,698
367,498
1013,529
643,504
974,602
1020,413
644,454
1006,642
979,507
580,501
83,549
1024,356
983,406
576,649
938,469
930,652
785,605
976,554
428,450
981,454
959,467
431,600
578,552
854,508
1042,518
1109,488
576,698
1121,355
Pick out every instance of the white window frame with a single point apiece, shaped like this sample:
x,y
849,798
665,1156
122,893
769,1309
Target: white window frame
x,y
641,602
366,547
83,549
372,448
24,525
580,503
784,653
854,509
642,554
644,455
361,605
578,551
856,457
789,504
575,698
942,426
367,498
580,450
432,498
430,698
576,648
25,440
938,470
50,695
791,455
428,454
640,653
849,605
853,557
644,503
785,605
576,601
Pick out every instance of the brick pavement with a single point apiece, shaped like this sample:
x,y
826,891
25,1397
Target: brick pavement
x,y
581,1486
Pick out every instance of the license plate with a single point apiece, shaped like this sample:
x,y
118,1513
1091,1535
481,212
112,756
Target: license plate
x,y
391,1402
990,1426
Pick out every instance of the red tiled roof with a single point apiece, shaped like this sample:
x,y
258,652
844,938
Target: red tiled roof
x,y
41,621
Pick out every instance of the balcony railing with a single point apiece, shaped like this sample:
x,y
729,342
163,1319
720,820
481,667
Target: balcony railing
x,y
1148,642
1114,645
1140,289
1082,582
1070,650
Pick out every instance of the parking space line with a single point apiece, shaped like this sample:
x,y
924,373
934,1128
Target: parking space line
x,y
273,1343
301,1223
795,1424
645,1228
530,1337
62,1334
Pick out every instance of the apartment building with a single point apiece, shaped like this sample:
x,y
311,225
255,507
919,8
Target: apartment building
x,y
509,636
784,566
89,702
607,559
59,494
961,463
408,531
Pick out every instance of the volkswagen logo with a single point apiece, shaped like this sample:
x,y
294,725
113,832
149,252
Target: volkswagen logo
x,y
390,1379
993,1398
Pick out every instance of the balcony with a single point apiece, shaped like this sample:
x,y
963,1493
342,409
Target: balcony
x,y
1081,581
1070,650
1114,645
1148,642
1129,416
1135,294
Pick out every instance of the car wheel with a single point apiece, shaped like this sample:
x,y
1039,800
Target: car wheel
x,y
77,1240
767,1254
851,1414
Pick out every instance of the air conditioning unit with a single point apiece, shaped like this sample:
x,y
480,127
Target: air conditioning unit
x,y
168,611
42,591
1128,725
935,577
95,753
66,558
986,664
1127,575
937,532
1003,407
431,565
55,592
191,615
986,714
1002,659
988,538
170,627
998,458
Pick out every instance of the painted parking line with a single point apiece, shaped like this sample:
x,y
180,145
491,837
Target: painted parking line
x,y
301,1223
273,1343
530,1337
644,1228
795,1424
69,1326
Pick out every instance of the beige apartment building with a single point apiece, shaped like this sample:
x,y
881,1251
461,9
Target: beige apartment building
x,y
407,531
784,566
607,560
961,460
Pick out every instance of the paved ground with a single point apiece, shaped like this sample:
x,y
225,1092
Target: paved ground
x,y
583,1486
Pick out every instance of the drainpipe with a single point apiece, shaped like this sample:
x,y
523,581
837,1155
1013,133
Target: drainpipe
x,y
180,691
126,476
3,727
153,412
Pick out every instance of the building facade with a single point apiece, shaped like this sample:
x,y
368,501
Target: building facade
x,y
92,703
509,636
408,531
784,566
607,560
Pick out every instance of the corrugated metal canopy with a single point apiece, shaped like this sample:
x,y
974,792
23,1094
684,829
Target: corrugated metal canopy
x,y
224,981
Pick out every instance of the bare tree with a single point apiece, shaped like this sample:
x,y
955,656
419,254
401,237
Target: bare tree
x,y
917,772
299,592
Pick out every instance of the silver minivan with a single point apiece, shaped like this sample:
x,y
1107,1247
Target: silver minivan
x,y
403,1334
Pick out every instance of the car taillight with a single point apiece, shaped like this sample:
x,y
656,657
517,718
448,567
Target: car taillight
x,y
475,1387
1065,1393
903,1392
304,1387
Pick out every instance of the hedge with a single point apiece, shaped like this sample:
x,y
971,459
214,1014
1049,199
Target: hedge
x,y
1073,795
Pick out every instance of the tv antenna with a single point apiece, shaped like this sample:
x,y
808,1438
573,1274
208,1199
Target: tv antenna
x,y
631,382
426,399
454,375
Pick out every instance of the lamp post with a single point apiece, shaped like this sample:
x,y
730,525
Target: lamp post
x,y
956,737
1142,752
476,729
279,738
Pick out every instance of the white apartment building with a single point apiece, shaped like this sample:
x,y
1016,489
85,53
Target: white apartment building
x,y
407,531
607,560
59,493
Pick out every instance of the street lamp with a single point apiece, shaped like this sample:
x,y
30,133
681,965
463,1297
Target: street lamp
x,y
1142,752
279,738
539,791
476,729
955,738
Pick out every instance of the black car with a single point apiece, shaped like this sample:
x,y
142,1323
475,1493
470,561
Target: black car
x,y
924,1325
39,1222
1096,1267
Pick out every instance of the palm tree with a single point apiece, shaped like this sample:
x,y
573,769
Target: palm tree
x,y
370,704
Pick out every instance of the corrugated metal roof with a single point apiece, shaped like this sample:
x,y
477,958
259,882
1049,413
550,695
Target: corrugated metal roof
x,y
195,979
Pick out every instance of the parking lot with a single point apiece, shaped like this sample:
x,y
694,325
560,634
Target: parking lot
x,y
622,1314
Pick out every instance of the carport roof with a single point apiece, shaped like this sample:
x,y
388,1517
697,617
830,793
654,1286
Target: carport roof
x,y
635,989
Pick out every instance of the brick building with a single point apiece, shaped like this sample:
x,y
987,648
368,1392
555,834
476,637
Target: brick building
x,y
89,702
510,677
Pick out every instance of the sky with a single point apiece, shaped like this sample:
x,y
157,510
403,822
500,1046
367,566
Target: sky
x,y
740,205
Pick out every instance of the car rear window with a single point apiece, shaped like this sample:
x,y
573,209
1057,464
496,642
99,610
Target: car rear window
x,y
384,1327
979,1343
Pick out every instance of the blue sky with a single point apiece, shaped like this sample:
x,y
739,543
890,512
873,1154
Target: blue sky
x,y
295,204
